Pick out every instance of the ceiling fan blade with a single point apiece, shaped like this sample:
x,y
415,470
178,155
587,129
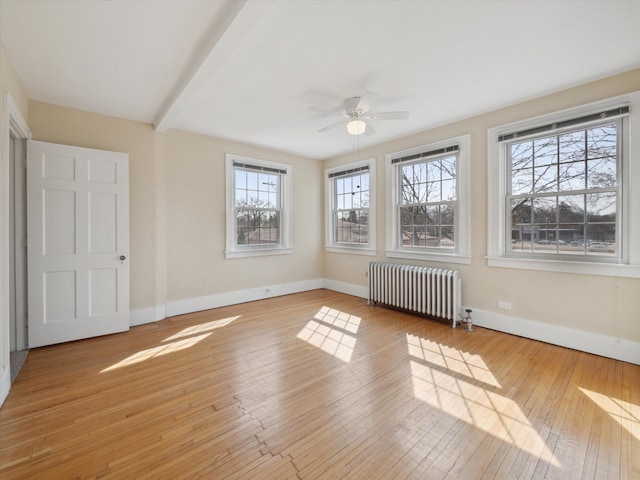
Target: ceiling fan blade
x,y
369,130
388,116
332,126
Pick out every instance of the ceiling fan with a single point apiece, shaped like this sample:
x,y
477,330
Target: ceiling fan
x,y
356,112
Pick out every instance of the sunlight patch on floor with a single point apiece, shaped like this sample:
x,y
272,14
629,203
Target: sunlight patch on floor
x,y
201,328
452,359
185,338
442,384
158,351
331,333
625,413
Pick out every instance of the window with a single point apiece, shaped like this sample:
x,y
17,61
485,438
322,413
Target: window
x,y
428,202
564,196
350,195
258,203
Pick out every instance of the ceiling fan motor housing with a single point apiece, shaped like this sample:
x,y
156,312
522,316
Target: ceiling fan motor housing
x,y
355,107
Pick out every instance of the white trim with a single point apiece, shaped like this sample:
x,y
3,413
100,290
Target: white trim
x,y
347,288
14,123
429,257
596,343
5,384
330,245
462,251
286,244
142,316
584,268
497,184
351,250
189,305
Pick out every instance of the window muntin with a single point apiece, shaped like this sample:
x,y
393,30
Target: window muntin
x,y
563,195
351,209
427,202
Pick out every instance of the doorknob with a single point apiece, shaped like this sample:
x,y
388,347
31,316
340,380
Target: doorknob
x,y
122,258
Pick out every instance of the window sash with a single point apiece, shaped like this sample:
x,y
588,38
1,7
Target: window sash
x,y
570,126
426,158
358,210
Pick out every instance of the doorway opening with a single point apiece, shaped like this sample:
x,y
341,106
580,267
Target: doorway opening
x,y
18,347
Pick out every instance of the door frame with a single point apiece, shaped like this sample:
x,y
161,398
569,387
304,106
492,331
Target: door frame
x,y
14,124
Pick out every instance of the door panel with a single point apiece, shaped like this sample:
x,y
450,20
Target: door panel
x,y
78,228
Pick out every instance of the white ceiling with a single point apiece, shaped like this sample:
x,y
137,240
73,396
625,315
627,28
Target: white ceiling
x,y
249,71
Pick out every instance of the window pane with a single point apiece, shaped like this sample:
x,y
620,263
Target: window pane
x,y
545,151
572,146
571,239
447,214
522,155
601,173
601,207
545,179
601,239
572,176
252,180
571,209
448,168
521,238
433,215
241,179
544,210
521,211
433,171
522,181
447,237
602,141
339,185
433,192
448,190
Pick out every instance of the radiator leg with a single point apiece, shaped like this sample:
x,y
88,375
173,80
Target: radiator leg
x,y
468,321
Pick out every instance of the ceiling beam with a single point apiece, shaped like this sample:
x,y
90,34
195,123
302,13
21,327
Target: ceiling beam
x,y
225,34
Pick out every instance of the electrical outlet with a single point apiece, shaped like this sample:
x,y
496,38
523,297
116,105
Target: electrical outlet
x,y
504,305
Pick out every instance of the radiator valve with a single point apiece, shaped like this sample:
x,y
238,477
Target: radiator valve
x,y
467,320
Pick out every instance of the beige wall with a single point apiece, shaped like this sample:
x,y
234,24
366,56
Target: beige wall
x,y
604,305
177,207
50,123
195,199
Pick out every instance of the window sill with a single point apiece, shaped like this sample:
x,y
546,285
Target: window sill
x,y
583,268
352,250
430,257
258,252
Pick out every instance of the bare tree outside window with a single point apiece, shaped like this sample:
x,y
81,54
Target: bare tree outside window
x,y
564,192
427,205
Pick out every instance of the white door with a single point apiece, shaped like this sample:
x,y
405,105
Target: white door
x,y
78,242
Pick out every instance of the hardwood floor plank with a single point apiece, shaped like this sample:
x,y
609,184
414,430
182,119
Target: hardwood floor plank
x,y
318,385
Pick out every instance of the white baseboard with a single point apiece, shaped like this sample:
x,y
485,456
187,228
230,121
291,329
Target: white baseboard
x,y
181,307
603,345
348,288
5,383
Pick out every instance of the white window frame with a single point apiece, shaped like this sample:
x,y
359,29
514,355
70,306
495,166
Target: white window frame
x,y
461,253
233,250
330,194
628,265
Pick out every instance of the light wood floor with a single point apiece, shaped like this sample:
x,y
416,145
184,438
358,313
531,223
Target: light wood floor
x,y
318,386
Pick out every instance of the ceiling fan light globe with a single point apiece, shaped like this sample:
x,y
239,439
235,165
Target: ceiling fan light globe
x,y
356,127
